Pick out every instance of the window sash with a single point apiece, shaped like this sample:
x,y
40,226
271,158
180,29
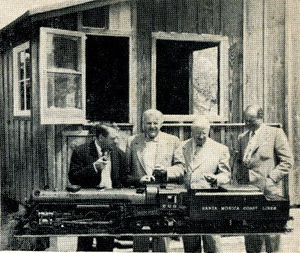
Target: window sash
x,y
22,106
64,114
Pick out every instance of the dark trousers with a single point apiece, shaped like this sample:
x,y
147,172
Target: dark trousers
x,y
193,244
103,244
142,244
254,243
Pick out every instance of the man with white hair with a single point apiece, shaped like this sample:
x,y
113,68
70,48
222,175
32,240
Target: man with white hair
x,y
207,164
146,152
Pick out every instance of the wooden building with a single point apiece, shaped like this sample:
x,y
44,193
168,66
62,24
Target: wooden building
x,y
66,66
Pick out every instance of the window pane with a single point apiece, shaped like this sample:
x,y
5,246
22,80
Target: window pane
x,y
22,96
64,91
21,65
63,52
205,81
27,63
28,94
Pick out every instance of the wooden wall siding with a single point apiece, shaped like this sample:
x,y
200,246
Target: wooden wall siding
x,y
254,52
221,17
274,56
264,52
292,83
16,139
2,131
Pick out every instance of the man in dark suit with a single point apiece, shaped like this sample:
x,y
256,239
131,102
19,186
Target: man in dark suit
x,y
99,163
264,158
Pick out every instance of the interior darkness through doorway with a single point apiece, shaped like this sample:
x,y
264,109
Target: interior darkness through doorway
x,y
107,78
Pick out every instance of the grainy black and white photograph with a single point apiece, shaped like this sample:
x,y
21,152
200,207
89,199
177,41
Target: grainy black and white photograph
x,y
150,125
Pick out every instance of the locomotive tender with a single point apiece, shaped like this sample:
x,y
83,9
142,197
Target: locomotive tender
x,y
155,209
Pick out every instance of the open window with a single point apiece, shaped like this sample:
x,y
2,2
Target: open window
x,y
22,80
62,76
189,75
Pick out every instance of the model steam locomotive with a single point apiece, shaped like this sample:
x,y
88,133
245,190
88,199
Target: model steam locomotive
x,y
154,209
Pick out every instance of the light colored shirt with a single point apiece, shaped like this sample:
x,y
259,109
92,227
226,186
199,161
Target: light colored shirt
x,y
106,172
149,155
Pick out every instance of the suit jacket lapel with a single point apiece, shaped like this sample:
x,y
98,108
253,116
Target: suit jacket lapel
x,y
140,145
93,151
188,153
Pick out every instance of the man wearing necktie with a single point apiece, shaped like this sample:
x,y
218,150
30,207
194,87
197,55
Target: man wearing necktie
x,y
98,164
146,152
264,158
207,165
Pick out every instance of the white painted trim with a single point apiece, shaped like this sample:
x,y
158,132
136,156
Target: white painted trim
x,y
16,95
62,116
223,46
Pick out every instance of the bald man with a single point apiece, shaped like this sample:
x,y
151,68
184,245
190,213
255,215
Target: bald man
x,y
264,158
151,150
207,165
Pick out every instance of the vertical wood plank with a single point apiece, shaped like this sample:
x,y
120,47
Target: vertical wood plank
x,y
274,56
65,167
3,168
232,26
58,159
159,15
51,155
292,91
253,40
171,16
15,150
10,172
23,176
144,28
11,121
216,16
191,16
35,116
28,153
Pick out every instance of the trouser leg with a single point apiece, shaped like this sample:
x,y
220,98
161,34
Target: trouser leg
x,y
253,243
159,244
209,244
141,244
85,244
272,242
192,244
105,243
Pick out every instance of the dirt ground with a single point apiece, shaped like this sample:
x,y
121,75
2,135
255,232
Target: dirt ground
x,y
290,242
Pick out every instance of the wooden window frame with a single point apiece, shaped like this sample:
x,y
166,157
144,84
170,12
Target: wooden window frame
x,y
62,116
17,111
223,78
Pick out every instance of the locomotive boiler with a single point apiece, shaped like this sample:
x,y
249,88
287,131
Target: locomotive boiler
x,y
154,209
